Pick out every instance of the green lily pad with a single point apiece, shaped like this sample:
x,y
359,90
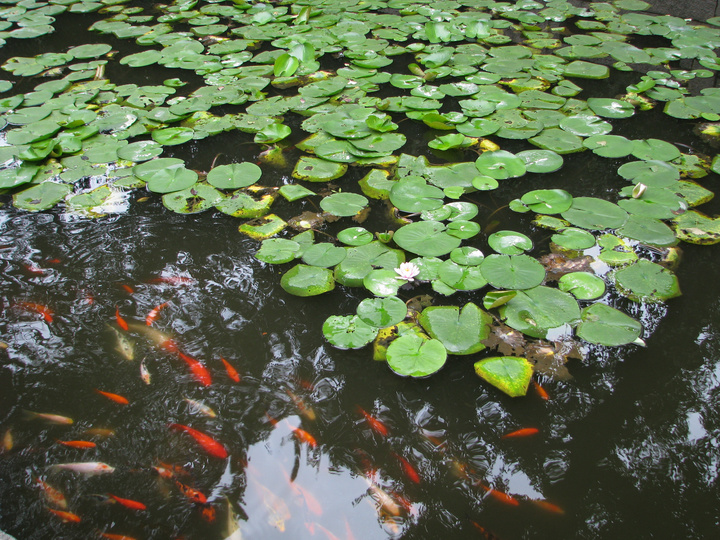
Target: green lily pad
x,y
344,204
646,281
586,70
272,134
696,228
611,108
173,136
17,176
585,125
649,149
360,260
462,229
461,331
263,227
413,356
382,312
323,254
241,205
541,161
41,196
348,332
318,170
510,242
355,236
382,282
607,326
500,165
558,141
234,175
536,311
652,173
573,239
512,272
509,374
165,175
140,151
304,280
192,200
467,256
595,214
294,192
609,146
648,230
582,285
278,251
460,277
426,238
548,201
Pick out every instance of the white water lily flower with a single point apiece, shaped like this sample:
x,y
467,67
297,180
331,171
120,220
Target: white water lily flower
x,y
407,271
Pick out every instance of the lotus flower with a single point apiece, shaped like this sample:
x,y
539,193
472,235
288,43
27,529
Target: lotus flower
x,y
407,271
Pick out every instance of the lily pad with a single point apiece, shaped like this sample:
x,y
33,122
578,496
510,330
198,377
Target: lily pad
x,y
293,192
558,140
318,170
304,280
548,201
355,236
426,238
541,161
609,146
509,374
382,312
348,332
607,326
582,285
512,272
140,151
510,242
278,251
648,230
500,164
646,281
461,277
461,331
595,214
323,254
413,356
611,108
41,197
571,238
192,200
383,282
344,204
234,176
535,311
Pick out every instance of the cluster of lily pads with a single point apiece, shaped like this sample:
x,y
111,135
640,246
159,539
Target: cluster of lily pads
x,y
365,76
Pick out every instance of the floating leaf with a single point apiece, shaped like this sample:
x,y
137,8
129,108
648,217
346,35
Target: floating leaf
x,y
611,108
512,272
558,140
607,326
173,136
535,311
548,201
648,230
595,214
460,331
234,176
272,134
344,204
382,312
426,238
383,282
510,374
609,146
413,356
318,170
323,254
541,161
461,277
510,242
293,192
573,239
304,280
647,281
500,165
263,228
197,198
348,332
278,251
355,236
41,197
582,285
697,228
360,260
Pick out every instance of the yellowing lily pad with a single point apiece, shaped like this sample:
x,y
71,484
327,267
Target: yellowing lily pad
x,y
511,374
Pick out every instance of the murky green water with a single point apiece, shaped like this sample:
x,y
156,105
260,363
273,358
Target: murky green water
x,y
627,448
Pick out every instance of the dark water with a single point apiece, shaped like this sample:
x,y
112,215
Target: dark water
x,y
627,448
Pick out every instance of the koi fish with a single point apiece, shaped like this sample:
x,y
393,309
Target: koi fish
x,y
199,406
191,493
376,425
524,432
52,495
547,505
386,502
154,313
124,345
278,511
499,495
482,530
88,467
121,322
540,391
66,517
127,288
303,436
310,501
44,311
407,468
32,268
302,408
231,371
100,432
144,373
117,398
208,513
172,280
160,339
210,445
53,261
111,536
7,442
50,418
327,532
76,444
199,371
127,503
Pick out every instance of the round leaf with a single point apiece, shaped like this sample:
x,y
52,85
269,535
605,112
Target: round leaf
x,y
348,332
304,280
460,331
510,374
382,312
607,326
510,242
414,356
512,272
426,238
582,285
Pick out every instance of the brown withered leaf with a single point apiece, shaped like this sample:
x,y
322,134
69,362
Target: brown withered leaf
x,y
362,215
507,341
557,265
418,303
549,358
305,221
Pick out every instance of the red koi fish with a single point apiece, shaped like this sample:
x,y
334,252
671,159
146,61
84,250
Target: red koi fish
x,y
121,322
210,445
231,371
482,530
303,436
193,494
77,444
376,425
32,268
548,506
44,311
524,432
127,288
208,513
407,468
154,313
540,391
111,536
127,503
199,372
172,280
117,398
52,495
499,495
66,517
53,261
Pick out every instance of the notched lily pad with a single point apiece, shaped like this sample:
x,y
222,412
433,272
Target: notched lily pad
x,y
461,331
511,374
607,326
347,332
304,280
414,356
646,281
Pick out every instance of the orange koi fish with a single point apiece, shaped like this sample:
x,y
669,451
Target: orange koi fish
x,y
172,280
547,505
310,501
540,391
44,311
121,322
77,444
144,373
407,468
210,445
127,288
231,371
154,313
127,503
524,432
32,268
50,418
66,517
7,441
208,513
303,436
482,530
199,372
111,536
193,494
52,495
117,398
376,425
499,495
302,408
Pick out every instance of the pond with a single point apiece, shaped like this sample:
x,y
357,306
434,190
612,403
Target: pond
x,y
172,368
